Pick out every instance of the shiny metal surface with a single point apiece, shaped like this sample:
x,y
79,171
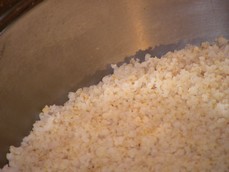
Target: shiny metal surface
x,y
60,46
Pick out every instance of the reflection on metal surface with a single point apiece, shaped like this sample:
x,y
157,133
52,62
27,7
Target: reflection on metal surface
x,y
63,45
136,18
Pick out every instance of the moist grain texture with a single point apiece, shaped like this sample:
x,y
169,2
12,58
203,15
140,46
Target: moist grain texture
x,y
168,114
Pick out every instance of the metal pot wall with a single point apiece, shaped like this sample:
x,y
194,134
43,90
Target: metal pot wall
x,y
60,46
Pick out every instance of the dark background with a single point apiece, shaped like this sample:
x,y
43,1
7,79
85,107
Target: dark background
x,y
11,9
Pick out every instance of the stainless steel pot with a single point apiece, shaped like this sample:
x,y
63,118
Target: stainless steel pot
x,y
60,46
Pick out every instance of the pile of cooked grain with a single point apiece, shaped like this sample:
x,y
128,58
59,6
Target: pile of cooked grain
x,y
168,114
